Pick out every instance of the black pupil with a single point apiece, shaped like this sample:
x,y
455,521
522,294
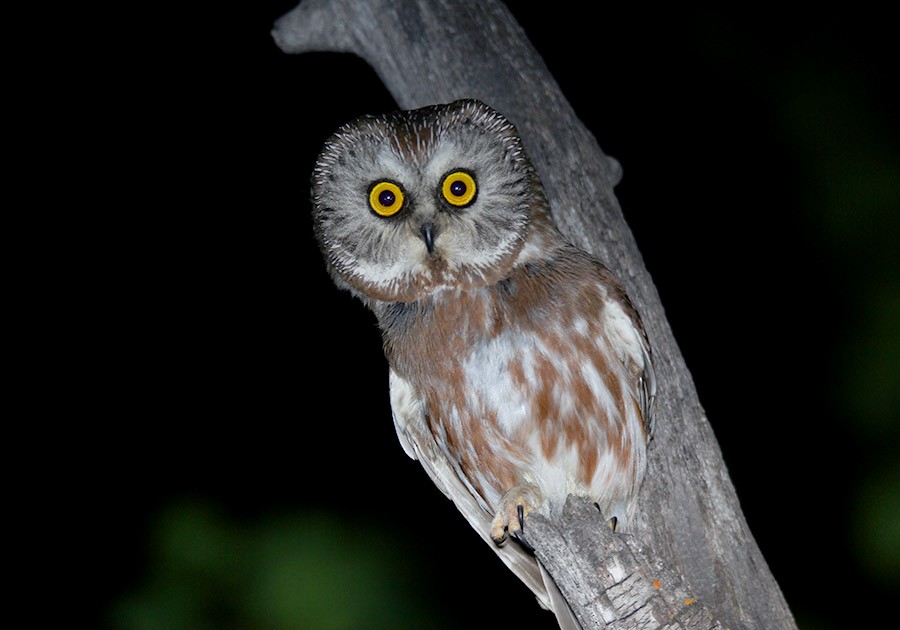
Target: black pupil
x,y
386,198
458,188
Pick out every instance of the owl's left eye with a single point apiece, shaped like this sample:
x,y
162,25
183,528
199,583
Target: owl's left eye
x,y
459,188
386,198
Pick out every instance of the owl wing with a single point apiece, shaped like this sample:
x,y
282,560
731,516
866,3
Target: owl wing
x,y
627,332
419,443
647,391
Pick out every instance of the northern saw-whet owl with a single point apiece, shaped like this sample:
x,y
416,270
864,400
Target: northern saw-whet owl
x,y
519,369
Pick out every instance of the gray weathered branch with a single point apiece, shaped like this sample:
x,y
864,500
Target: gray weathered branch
x,y
689,531
612,580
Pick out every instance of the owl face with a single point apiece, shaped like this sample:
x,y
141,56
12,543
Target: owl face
x,y
418,201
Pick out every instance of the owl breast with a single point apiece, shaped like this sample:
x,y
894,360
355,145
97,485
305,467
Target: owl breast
x,y
524,382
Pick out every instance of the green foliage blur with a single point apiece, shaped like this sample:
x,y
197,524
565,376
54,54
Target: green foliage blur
x,y
844,148
284,572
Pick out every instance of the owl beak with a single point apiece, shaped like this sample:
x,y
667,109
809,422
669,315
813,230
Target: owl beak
x,y
428,234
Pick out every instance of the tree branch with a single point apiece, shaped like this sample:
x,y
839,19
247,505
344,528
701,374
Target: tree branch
x,y
611,580
688,512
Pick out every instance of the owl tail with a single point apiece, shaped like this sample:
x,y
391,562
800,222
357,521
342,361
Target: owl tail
x,y
559,606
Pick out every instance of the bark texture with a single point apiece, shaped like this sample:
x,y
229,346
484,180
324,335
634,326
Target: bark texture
x,y
690,537
613,580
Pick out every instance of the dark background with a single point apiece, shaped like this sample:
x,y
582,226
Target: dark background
x,y
241,467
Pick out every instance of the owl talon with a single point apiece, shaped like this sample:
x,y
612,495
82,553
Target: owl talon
x,y
510,517
520,538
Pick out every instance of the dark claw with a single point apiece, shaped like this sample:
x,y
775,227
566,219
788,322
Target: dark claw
x,y
520,538
520,535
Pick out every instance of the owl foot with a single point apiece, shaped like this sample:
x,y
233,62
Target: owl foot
x,y
612,522
514,507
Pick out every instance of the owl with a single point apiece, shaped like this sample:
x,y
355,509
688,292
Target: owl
x,y
519,370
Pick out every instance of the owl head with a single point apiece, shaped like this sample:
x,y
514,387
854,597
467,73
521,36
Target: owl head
x,y
413,202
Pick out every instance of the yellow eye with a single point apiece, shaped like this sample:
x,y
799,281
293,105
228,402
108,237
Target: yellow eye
x,y
459,188
386,198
